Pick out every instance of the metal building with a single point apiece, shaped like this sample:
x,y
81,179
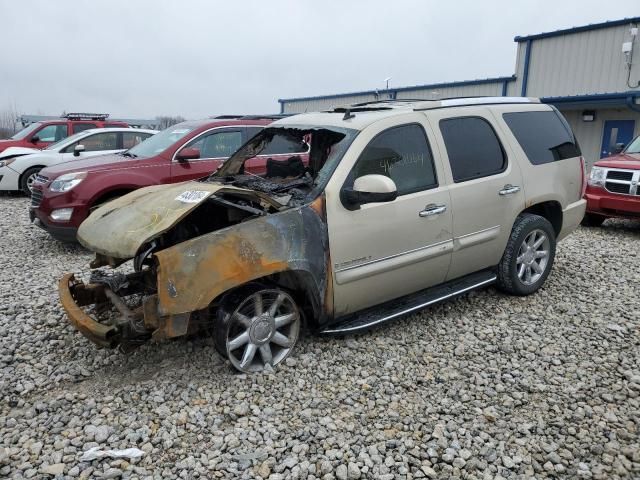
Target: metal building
x,y
587,72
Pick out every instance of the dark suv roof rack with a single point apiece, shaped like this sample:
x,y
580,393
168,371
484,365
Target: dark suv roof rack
x,y
85,116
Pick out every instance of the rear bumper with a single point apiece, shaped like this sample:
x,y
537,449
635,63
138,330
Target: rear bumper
x,y
601,202
571,217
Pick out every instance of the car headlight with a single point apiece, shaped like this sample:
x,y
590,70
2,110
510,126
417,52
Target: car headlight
x,y
66,182
597,177
4,163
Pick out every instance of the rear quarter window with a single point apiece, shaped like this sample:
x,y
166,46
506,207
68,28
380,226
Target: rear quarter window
x,y
545,137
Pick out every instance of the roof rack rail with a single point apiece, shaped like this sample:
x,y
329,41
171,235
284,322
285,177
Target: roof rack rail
x,y
85,116
251,117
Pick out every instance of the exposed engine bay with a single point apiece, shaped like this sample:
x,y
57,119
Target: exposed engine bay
x,y
191,242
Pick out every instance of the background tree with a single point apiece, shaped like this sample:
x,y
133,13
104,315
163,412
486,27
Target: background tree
x,y
9,123
167,121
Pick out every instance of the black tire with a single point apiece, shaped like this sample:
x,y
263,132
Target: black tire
x,y
510,278
592,220
24,179
263,331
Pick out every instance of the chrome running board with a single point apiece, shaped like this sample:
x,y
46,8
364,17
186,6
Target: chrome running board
x,y
373,316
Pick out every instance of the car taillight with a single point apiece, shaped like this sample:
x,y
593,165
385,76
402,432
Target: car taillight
x,y
583,173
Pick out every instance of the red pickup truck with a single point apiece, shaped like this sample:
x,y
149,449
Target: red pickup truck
x,y
63,195
42,134
613,188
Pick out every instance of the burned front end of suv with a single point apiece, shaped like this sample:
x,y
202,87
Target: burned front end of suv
x,y
167,254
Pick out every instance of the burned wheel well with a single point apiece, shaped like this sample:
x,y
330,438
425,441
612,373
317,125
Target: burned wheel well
x,y
300,284
550,210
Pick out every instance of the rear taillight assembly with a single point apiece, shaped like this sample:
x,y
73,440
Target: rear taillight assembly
x,y
583,173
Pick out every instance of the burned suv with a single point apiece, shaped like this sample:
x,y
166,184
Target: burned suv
x,y
399,205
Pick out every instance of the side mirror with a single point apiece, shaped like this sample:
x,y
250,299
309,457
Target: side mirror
x,y
188,154
35,139
78,150
619,147
369,189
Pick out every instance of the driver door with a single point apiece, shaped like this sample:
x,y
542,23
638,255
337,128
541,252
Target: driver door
x,y
382,251
214,147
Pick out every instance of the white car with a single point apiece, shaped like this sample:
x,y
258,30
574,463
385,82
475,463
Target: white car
x,y
19,166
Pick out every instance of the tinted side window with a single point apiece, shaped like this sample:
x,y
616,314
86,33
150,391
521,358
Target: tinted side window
x,y
473,148
402,154
81,127
131,139
221,144
98,142
543,136
52,133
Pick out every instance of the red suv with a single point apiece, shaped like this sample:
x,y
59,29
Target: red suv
x,y
63,195
613,189
42,134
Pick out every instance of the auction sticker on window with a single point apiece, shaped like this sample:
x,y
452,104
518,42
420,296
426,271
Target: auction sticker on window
x,y
192,196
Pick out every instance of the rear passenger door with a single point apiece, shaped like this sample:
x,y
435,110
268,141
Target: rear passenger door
x,y
485,186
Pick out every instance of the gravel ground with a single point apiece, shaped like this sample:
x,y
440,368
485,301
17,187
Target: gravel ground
x,y
487,386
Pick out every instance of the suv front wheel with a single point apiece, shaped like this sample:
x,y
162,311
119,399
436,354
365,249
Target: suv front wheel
x,y
529,255
257,326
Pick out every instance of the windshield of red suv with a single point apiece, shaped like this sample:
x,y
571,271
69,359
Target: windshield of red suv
x,y
634,147
159,142
25,132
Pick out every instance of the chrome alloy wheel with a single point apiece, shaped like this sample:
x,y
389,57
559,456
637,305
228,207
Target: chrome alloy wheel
x,y
533,257
31,179
262,330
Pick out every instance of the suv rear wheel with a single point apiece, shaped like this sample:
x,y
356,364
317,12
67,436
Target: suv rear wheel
x,y
257,326
528,257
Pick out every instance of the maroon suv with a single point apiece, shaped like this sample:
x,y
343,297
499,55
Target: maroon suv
x,y
65,194
43,134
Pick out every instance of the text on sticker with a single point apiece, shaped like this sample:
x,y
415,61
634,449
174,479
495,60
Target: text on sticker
x,y
192,196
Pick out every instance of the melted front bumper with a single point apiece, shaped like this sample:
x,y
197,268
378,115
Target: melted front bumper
x,y
73,296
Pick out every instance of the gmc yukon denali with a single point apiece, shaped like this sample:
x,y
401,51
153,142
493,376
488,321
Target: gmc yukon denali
x,y
400,205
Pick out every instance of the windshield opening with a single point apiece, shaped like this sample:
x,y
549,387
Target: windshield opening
x,y
634,147
159,142
25,132
291,178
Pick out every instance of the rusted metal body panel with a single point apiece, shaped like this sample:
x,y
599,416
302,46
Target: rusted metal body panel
x,y
73,296
120,227
193,273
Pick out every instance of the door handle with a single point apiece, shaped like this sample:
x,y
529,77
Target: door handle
x,y
432,209
509,190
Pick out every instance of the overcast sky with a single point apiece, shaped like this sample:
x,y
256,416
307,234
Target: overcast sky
x,y
197,58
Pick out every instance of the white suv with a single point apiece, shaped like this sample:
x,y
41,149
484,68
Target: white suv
x,y
396,206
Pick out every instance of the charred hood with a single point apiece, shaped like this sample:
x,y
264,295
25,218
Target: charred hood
x,y
120,228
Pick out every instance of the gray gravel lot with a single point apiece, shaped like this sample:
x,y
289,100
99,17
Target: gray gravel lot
x,y
487,386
